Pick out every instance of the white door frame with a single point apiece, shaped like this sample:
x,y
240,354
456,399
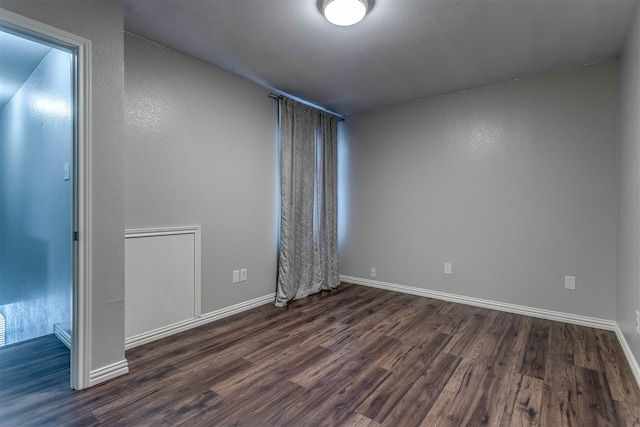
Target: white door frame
x,y
81,306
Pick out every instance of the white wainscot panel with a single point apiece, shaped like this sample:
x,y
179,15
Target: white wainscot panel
x,y
162,280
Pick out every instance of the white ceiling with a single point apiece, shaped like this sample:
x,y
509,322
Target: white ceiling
x,y
403,50
19,57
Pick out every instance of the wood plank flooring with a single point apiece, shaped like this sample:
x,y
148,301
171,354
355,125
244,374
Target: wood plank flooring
x,y
355,356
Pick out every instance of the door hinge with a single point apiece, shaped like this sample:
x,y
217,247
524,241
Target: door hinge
x,y
75,236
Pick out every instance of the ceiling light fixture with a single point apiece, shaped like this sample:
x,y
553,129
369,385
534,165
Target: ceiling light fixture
x,y
344,12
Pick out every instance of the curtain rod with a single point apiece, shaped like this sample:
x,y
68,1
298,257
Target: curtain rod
x,y
279,97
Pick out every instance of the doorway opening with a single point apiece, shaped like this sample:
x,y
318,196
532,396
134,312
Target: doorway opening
x,y
36,189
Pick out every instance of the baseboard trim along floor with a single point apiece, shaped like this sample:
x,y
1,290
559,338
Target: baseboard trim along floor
x,y
175,328
107,372
62,334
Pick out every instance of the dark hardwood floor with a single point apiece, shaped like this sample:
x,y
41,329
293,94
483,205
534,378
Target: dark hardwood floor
x,y
356,356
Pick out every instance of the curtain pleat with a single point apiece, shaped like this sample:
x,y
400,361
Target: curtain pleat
x,y
308,260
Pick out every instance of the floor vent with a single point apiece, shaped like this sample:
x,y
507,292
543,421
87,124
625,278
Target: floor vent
x,y
2,329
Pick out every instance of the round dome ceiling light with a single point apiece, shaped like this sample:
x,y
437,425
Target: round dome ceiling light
x,y
344,12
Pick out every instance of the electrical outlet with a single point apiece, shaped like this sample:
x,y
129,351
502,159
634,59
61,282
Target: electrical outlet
x,y
570,283
236,276
243,275
637,322
373,272
447,268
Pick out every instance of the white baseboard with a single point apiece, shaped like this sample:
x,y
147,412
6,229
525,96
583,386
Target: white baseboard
x,y
593,322
633,363
107,372
101,374
165,331
62,335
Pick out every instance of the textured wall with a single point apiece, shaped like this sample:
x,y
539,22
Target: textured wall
x,y
201,150
102,23
515,184
629,190
36,203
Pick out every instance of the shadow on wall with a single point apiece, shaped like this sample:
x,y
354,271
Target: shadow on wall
x,y
343,179
24,288
24,268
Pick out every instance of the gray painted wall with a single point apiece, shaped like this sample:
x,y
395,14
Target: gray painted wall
x,y
628,292
36,135
201,150
515,184
102,23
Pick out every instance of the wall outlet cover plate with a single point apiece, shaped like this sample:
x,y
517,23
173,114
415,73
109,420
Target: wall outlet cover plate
x,y
570,283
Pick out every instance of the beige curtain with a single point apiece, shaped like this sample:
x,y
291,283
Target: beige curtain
x,y
308,260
